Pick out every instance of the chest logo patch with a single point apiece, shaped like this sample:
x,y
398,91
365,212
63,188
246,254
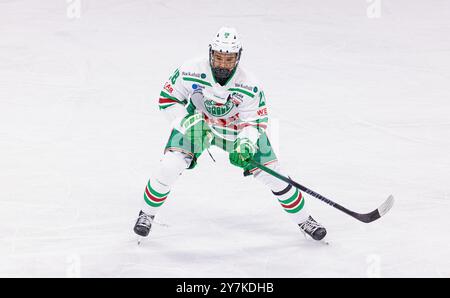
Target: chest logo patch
x,y
218,110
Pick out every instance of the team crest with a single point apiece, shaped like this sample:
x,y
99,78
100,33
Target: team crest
x,y
218,110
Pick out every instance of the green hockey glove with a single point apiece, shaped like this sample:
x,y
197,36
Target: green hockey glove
x,y
243,152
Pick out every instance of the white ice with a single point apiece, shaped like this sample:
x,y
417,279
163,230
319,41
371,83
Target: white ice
x,y
359,99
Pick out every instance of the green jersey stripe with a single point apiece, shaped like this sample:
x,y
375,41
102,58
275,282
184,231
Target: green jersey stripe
x,y
197,80
162,107
242,91
170,96
258,121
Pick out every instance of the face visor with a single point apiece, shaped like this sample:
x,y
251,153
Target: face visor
x,y
223,65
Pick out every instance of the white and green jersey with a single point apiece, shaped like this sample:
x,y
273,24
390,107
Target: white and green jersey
x,y
244,113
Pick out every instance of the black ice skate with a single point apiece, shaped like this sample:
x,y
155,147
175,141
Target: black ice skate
x,y
313,229
143,224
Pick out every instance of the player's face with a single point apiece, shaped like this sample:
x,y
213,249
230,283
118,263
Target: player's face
x,y
224,60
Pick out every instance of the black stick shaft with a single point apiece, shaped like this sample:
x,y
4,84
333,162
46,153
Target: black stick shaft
x,y
305,189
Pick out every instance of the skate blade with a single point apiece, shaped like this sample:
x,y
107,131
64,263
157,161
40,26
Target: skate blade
x,y
324,242
140,240
320,242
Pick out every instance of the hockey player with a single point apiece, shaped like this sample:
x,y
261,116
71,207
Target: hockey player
x,y
215,102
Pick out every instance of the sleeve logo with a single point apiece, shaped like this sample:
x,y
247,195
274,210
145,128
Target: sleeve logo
x,y
168,87
262,112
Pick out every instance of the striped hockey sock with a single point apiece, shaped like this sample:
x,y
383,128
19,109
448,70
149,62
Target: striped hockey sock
x,y
154,196
293,203
158,187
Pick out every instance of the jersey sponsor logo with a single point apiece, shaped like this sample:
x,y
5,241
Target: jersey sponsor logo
x,y
237,95
218,110
192,74
197,88
237,98
168,87
262,112
243,86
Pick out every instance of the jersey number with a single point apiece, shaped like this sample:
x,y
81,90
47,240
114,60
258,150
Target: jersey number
x,y
174,77
262,99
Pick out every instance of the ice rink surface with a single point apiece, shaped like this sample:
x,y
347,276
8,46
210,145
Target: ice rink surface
x,y
359,100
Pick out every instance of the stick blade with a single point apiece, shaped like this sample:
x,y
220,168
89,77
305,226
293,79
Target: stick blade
x,y
377,213
386,206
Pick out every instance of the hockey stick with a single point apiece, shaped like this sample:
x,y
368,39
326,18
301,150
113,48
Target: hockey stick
x,y
368,217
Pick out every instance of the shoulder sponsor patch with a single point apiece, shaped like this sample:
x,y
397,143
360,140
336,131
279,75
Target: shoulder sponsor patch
x,y
168,87
243,86
192,74
262,112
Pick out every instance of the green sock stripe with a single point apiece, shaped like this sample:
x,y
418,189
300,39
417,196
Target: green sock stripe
x,y
149,202
291,199
300,207
155,193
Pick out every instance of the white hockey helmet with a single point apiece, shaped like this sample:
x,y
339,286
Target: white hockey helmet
x,y
226,41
